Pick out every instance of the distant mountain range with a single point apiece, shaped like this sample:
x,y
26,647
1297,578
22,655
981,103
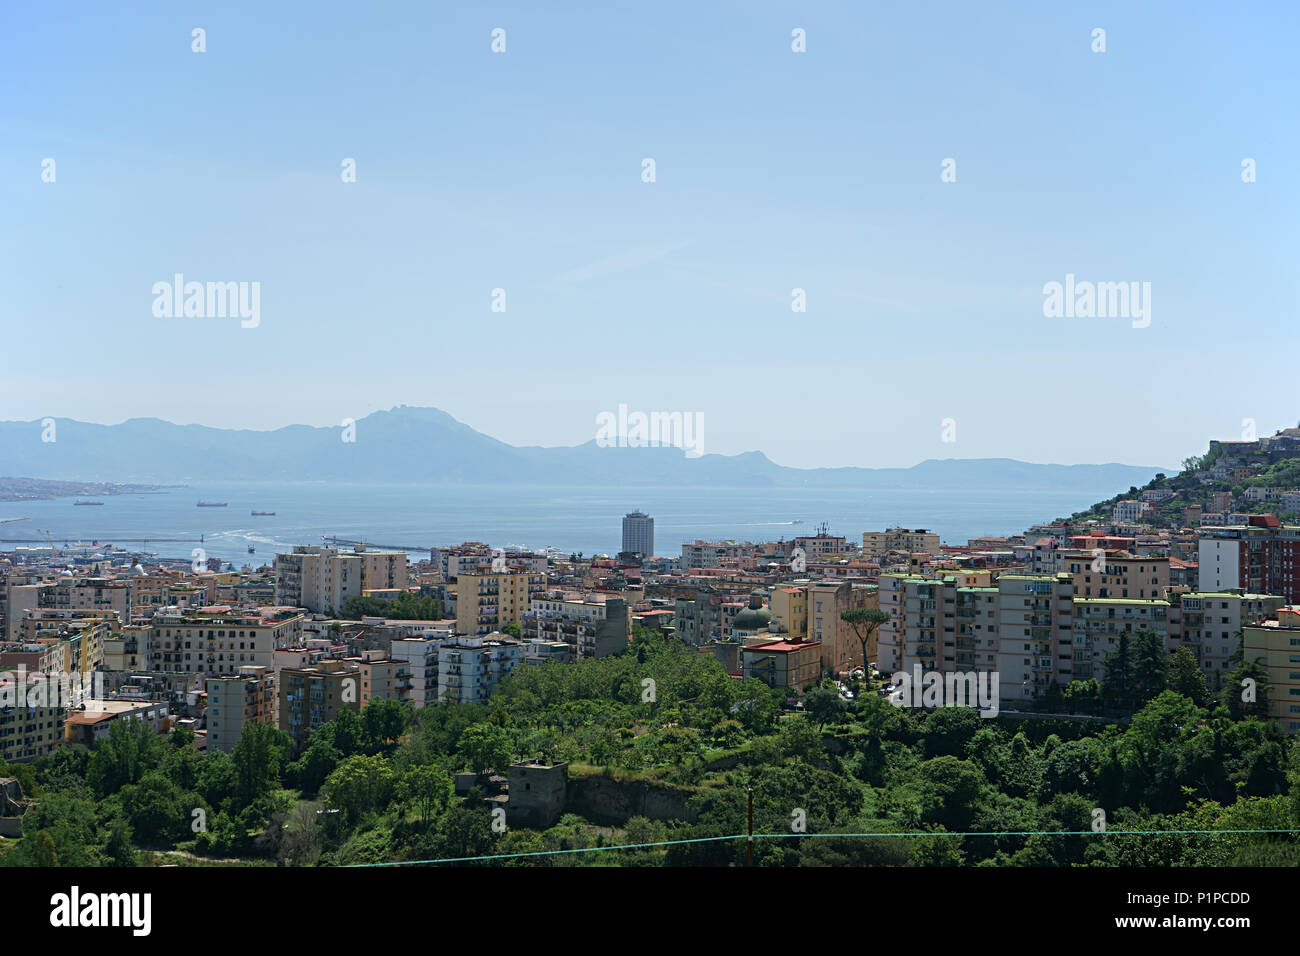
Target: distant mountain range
x,y
426,445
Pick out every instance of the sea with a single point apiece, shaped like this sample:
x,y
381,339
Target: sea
x,y
586,519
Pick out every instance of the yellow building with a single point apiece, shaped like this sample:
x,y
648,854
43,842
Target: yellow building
x,y
126,649
486,600
1118,575
789,607
1275,645
876,543
311,696
384,679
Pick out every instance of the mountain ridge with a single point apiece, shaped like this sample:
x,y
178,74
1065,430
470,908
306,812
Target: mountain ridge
x,y
423,444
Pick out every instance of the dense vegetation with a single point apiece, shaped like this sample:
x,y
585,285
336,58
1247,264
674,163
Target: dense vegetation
x,y
378,786
407,606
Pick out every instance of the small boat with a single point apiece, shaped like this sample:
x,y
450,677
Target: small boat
x,y
83,504
250,549
212,504
263,514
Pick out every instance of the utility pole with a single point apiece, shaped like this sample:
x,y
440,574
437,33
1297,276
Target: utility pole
x,y
751,826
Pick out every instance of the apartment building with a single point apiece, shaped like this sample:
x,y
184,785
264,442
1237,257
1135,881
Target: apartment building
x,y
469,668
1036,634
30,732
1259,557
821,545
789,607
94,723
218,640
236,700
1275,645
383,570
324,579
639,533
1099,623
316,578
66,594
1130,510
486,600
466,557
542,652
311,696
126,649
839,645
592,624
419,658
1116,574
783,663
384,679
709,554
878,543
1210,625
948,621
81,633
1020,627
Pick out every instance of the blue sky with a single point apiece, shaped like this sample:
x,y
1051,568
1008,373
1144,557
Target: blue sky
x,y
775,170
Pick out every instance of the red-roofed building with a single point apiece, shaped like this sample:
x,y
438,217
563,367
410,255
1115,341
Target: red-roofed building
x,y
783,663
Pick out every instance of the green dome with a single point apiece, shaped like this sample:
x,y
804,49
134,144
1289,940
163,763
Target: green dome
x,y
752,619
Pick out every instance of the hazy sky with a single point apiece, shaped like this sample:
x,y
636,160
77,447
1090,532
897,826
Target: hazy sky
x,y
775,170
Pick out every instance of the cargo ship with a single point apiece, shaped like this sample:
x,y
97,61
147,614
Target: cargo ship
x,y
82,504
212,504
263,514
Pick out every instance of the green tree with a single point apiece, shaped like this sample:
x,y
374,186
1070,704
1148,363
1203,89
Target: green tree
x,y
1117,670
385,720
1187,678
948,731
304,837
864,622
1150,666
130,750
259,755
154,809
1245,689
951,790
429,788
120,851
1084,696
824,704
485,747
69,822
43,850
317,762
218,778
360,785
